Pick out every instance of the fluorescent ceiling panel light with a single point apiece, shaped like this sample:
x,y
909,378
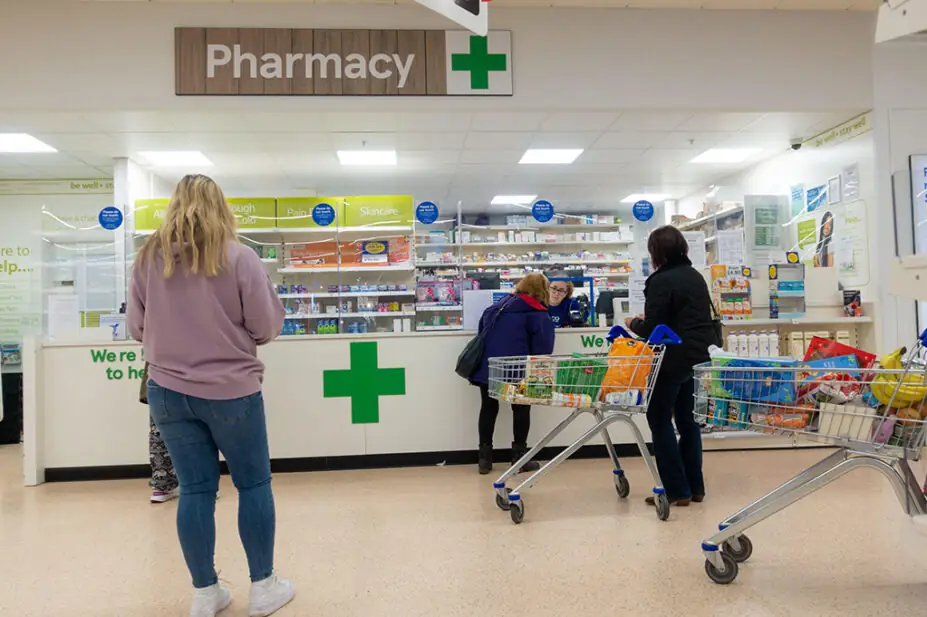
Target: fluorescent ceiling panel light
x,y
176,158
513,200
367,157
725,155
636,197
537,156
20,142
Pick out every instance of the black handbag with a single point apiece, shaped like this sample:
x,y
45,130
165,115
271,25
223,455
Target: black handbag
x,y
716,326
143,390
472,355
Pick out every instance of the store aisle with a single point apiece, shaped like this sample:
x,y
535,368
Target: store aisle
x,y
430,542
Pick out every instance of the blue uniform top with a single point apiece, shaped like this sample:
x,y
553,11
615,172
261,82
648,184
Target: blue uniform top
x,y
560,314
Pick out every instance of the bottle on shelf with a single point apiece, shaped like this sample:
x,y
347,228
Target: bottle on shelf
x,y
743,345
774,344
764,344
753,345
732,342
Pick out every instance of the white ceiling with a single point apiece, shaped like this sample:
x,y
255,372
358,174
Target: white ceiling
x,y
442,156
788,5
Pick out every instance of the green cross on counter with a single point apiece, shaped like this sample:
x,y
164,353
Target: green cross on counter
x,y
365,382
479,62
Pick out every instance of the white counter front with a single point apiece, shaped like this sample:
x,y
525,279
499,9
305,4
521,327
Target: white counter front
x,y
81,400
82,418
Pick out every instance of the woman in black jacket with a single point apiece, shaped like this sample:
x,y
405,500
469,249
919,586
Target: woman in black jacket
x,y
677,296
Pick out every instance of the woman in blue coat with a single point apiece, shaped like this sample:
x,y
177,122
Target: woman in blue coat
x,y
518,325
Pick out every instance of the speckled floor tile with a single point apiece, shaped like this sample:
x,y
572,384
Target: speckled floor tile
x,y
430,542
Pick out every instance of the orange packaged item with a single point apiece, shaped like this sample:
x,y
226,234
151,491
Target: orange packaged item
x,y
629,364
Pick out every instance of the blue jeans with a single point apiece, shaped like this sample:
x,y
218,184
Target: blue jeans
x,y
195,431
679,462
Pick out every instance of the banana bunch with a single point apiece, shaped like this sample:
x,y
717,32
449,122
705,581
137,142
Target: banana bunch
x,y
900,392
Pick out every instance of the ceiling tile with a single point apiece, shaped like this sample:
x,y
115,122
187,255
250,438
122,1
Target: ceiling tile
x,y
649,120
498,141
430,141
691,140
629,139
579,121
507,121
597,155
718,121
438,122
564,140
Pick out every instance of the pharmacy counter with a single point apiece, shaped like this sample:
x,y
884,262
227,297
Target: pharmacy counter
x,y
333,401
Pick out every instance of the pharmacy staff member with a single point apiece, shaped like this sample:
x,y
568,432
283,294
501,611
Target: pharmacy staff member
x,y
562,304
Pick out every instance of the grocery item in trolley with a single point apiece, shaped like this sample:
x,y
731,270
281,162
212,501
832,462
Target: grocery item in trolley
x,y
629,364
580,376
753,383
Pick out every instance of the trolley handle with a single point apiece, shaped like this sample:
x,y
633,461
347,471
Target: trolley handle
x,y
923,338
661,335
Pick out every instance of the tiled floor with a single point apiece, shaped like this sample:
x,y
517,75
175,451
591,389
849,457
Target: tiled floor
x,y
430,542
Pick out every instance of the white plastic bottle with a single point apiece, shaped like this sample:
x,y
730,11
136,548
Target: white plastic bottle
x,y
773,344
753,345
764,344
732,342
743,346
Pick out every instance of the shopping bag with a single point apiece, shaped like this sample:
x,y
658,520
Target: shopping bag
x,y
629,364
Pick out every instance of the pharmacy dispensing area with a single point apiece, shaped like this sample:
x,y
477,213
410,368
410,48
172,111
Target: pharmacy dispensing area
x,y
397,174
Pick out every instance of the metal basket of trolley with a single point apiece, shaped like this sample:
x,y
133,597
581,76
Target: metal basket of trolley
x,y
874,416
612,385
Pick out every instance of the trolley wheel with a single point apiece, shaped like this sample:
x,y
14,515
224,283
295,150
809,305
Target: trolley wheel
x,y
517,511
722,577
502,503
622,486
663,506
746,549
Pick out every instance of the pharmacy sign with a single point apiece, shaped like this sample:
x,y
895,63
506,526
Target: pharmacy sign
x,y
364,383
304,62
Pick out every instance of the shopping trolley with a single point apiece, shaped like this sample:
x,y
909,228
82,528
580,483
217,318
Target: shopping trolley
x,y
875,416
610,386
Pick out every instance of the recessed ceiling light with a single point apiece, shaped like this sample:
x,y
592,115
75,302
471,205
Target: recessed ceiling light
x,y
367,157
636,197
513,200
176,158
535,156
20,142
725,155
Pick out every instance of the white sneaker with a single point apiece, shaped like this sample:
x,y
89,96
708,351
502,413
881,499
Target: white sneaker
x,y
210,601
270,595
164,496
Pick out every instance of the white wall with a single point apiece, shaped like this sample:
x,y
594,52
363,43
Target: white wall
x,y
901,119
100,56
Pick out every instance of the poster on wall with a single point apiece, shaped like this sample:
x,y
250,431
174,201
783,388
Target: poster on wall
x,y
817,197
636,299
797,201
837,237
731,247
850,180
696,241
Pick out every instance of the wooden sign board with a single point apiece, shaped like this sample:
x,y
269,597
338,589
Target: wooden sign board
x,y
301,62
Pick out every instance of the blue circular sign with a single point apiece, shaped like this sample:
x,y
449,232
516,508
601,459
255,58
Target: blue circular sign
x,y
542,211
323,215
110,218
643,210
426,212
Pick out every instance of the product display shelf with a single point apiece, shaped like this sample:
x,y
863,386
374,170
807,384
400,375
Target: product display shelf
x,y
437,264
802,321
557,243
365,314
438,307
544,226
346,294
438,328
556,262
336,269
710,218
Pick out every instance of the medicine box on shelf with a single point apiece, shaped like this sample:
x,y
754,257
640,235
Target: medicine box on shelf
x,y
730,290
787,291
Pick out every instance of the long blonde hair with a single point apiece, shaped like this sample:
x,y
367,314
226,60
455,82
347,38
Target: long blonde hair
x,y
198,223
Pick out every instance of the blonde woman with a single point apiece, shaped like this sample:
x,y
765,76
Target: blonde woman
x,y
201,303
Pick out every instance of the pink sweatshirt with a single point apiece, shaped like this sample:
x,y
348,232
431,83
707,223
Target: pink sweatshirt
x,y
201,333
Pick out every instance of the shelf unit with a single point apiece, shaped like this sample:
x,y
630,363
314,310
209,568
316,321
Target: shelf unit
x,y
364,314
437,308
347,294
336,269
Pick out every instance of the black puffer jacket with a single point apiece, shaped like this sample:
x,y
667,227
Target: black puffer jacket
x,y
677,296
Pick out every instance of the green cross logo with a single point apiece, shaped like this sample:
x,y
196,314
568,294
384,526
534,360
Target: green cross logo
x,y
365,383
479,62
